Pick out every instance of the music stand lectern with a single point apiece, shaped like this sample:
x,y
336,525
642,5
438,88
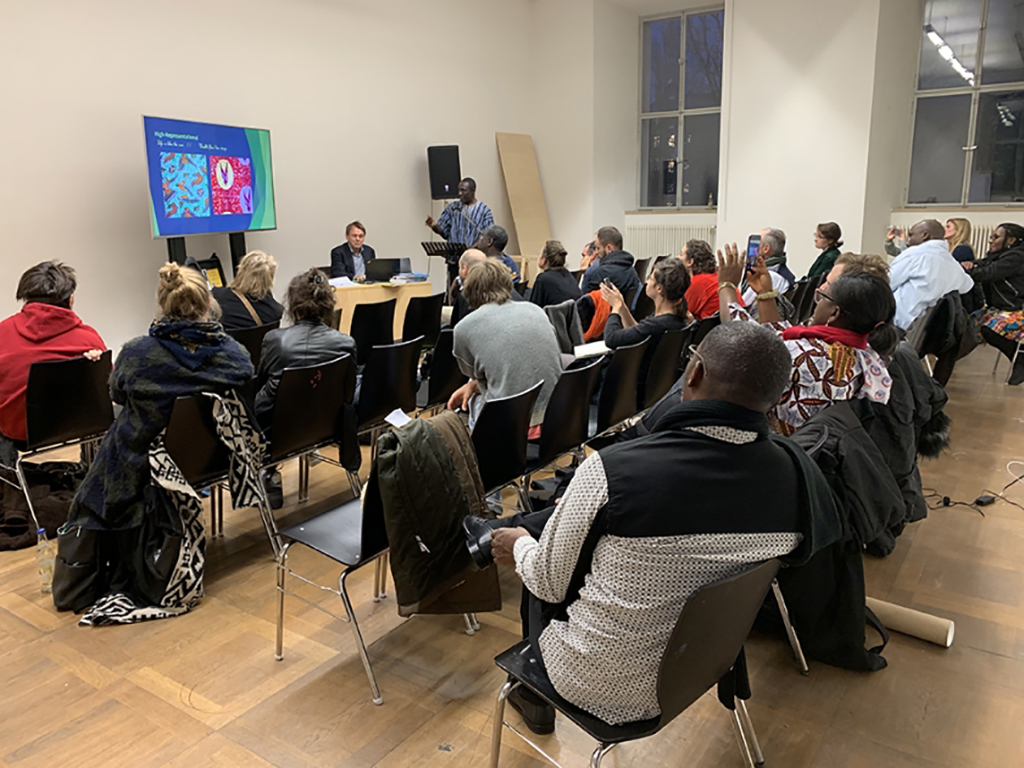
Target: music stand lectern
x,y
450,252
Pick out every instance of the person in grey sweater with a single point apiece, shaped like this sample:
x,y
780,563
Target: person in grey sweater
x,y
504,347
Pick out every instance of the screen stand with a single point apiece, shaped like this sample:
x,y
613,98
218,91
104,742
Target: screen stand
x,y
176,250
237,241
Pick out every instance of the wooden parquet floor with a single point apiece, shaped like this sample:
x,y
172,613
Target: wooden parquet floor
x,y
204,689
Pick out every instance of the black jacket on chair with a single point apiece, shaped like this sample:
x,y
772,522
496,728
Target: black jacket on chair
x,y
305,343
343,262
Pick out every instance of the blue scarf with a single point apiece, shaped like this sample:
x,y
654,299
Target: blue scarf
x,y
191,342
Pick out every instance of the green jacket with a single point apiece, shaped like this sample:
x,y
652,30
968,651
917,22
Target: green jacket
x,y
824,263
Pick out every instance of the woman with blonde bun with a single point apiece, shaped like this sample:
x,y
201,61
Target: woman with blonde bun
x,y
185,353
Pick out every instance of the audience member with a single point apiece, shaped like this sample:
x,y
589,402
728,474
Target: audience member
x,y
249,300
838,356
504,347
773,251
616,265
555,283
1001,276
958,236
460,307
643,547
351,257
895,241
924,273
493,242
702,295
46,328
827,239
185,353
588,259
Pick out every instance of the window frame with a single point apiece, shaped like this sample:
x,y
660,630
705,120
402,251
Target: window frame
x,y
975,92
680,114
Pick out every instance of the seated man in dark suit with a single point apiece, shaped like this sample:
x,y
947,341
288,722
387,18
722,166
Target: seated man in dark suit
x,y
350,258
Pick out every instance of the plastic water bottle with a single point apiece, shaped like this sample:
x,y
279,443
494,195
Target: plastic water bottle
x,y
46,556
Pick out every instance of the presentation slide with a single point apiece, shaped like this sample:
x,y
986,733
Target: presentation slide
x,y
207,178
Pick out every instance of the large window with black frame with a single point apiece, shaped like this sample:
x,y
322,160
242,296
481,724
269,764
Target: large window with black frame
x,y
969,111
680,109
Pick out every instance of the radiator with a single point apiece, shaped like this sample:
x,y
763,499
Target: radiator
x,y
647,241
979,237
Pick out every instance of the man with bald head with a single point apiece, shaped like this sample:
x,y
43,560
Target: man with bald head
x,y
460,307
924,273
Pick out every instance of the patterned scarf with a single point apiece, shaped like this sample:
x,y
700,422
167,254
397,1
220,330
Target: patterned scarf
x,y
827,333
191,342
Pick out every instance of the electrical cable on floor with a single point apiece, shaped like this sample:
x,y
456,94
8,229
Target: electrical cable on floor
x,y
946,501
1002,494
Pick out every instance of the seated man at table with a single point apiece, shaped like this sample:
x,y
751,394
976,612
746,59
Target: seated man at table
x,y
350,258
493,242
645,524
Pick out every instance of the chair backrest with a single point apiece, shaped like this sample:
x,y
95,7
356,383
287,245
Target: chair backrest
x,y
521,287
708,637
308,410
389,381
628,297
707,325
641,266
806,307
664,368
213,271
423,318
373,325
252,339
568,413
193,444
499,437
445,374
577,275
68,400
644,306
617,401
335,321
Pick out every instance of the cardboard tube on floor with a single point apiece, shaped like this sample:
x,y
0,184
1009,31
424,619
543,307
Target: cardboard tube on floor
x,y
914,623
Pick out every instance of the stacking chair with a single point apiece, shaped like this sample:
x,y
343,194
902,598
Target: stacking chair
x,y
500,437
389,382
641,266
644,306
213,271
423,318
372,326
521,287
445,374
630,295
335,321
704,646
617,401
565,420
796,294
577,275
67,402
999,356
705,327
664,368
192,442
252,339
806,306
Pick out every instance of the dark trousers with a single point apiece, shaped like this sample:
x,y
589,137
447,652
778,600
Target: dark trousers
x,y
1007,346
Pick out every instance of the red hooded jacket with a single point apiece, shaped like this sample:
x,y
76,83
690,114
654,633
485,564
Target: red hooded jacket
x,y
38,332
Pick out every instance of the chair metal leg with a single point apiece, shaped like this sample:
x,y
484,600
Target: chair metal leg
x,y
282,570
376,579
524,497
385,566
995,365
499,720
377,699
748,733
741,740
219,491
355,484
303,478
794,641
1013,363
599,753
19,470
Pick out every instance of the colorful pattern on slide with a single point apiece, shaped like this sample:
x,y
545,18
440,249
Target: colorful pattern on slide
x,y
185,188
232,184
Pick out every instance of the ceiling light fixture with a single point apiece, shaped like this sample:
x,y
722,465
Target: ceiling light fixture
x,y
947,53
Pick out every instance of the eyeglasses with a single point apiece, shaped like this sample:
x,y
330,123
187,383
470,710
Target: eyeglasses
x,y
695,353
820,294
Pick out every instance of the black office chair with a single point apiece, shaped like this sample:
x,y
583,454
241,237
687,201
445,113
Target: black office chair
x,y
67,402
664,368
309,415
445,374
423,318
372,326
252,339
389,382
641,266
565,420
617,401
500,437
704,647
192,442
644,306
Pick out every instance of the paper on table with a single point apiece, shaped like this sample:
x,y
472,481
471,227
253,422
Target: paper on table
x,y
593,349
397,418
337,282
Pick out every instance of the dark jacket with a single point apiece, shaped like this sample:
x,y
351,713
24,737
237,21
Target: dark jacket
x,y
1001,275
565,320
305,343
617,267
343,262
553,286
824,263
234,315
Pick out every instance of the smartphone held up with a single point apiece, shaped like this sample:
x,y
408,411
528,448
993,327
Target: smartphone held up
x,y
753,250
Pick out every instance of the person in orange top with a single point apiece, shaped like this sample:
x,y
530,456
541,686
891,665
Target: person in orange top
x,y
46,328
702,295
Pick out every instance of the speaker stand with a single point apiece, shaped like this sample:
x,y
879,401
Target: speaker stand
x,y
176,250
237,241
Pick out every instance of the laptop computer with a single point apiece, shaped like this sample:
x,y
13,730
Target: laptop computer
x,y
382,270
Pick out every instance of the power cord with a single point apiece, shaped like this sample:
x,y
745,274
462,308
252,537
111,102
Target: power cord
x,y
986,500
946,501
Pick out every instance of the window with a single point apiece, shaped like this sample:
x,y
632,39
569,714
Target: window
x,y
680,109
969,116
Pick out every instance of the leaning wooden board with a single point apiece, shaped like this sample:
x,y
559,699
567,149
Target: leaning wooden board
x,y
525,194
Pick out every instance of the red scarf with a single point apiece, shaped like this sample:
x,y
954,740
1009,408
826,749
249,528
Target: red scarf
x,y
828,334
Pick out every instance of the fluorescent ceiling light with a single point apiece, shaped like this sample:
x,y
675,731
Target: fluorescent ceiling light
x,y
946,52
934,37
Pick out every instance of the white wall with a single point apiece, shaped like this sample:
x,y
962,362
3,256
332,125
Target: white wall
x,y
352,92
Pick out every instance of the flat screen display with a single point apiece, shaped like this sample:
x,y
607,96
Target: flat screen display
x,y
207,178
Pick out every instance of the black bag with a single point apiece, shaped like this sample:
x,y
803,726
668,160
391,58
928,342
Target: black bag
x,y
52,485
78,569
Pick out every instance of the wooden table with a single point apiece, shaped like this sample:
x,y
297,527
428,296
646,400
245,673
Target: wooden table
x,y
347,297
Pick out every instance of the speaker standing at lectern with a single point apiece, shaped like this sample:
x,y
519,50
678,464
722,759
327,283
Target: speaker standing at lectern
x,y
465,219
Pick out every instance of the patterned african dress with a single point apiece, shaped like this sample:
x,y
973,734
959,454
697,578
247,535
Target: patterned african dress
x,y
1006,323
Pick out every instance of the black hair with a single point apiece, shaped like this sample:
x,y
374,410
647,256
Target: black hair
x,y
867,306
498,235
1016,231
49,282
470,182
748,364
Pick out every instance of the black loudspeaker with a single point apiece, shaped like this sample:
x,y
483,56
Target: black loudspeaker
x,y
445,174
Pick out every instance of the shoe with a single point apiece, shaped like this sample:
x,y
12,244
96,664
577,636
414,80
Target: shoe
x,y
537,713
1017,377
478,540
272,485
